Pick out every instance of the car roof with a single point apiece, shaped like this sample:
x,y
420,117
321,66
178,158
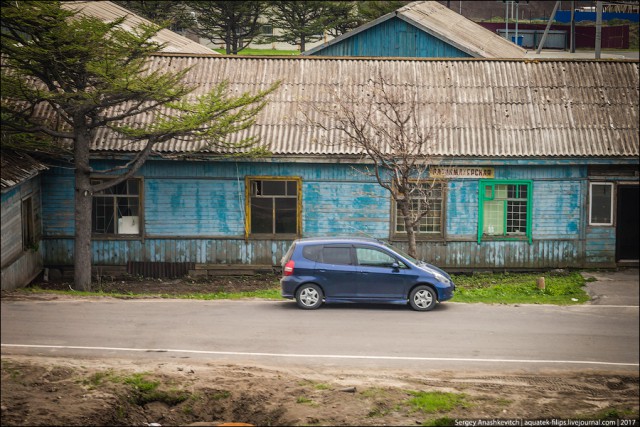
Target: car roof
x,y
319,240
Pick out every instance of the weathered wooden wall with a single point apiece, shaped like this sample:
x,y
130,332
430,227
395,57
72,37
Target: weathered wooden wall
x,y
20,266
393,38
194,212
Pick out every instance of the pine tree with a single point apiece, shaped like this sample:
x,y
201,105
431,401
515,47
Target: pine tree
x,y
68,76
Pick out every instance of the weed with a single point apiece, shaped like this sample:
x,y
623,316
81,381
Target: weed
x,y
302,399
146,391
121,412
374,392
219,395
13,371
435,401
322,386
504,402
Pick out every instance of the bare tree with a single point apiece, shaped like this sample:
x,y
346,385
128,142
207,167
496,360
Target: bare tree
x,y
390,127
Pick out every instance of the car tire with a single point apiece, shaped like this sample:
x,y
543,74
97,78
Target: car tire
x,y
309,296
423,298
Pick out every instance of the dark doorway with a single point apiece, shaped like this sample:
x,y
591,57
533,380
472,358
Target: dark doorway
x,y
628,211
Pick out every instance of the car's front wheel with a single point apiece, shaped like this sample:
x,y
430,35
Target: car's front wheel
x,y
309,296
423,298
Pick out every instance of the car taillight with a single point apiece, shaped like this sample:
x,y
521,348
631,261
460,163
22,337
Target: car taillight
x,y
288,268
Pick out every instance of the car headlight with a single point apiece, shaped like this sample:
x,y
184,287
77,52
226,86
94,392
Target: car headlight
x,y
442,279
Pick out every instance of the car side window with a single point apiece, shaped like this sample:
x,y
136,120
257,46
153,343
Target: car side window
x,y
372,257
312,252
339,255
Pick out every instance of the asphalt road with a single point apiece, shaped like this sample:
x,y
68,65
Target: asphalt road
x,y
454,336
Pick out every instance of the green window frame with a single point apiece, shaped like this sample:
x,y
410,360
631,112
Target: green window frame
x,y
505,210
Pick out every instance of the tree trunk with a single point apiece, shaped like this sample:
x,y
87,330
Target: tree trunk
x,y
83,205
227,41
411,233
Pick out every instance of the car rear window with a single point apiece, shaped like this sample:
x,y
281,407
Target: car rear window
x,y
287,256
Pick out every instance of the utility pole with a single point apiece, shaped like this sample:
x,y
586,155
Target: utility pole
x,y
546,30
598,28
506,20
517,5
572,46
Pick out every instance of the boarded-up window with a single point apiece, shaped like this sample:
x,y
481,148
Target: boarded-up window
x,y
28,227
601,203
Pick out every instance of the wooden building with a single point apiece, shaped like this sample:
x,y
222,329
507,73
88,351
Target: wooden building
x,y
421,29
537,165
21,215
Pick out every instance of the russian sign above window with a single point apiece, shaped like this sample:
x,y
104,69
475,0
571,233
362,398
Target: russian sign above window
x,y
461,172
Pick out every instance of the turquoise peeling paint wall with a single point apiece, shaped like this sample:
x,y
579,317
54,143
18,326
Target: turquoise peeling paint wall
x,y
393,38
194,212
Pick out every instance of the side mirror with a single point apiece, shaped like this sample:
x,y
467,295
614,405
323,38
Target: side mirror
x,y
395,266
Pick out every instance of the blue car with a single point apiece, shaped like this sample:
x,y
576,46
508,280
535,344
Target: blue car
x,y
358,270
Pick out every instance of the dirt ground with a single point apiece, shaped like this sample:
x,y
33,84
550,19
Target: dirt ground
x,y
39,390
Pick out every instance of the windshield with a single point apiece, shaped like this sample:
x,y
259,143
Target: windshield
x,y
407,256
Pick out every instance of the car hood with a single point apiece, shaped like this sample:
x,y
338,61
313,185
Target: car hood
x,y
432,269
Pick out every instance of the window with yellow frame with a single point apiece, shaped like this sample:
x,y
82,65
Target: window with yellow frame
x,y
273,206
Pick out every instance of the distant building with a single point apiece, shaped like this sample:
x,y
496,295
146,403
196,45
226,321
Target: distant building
x,y
21,220
422,29
108,12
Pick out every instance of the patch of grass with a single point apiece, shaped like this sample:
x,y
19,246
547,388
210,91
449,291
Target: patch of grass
x,y
504,402
145,391
13,371
520,288
262,52
273,293
263,293
98,378
219,395
611,414
304,400
443,421
504,288
374,392
322,386
435,401
380,409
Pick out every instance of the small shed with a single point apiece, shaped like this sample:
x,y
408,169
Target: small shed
x,y
422,29
21,219
537,168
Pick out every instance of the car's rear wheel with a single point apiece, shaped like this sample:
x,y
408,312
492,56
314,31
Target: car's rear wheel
x,y
423,298
309,296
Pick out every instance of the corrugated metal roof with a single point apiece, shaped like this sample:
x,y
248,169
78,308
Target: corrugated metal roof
x,y
108,11
474,108
446,25
17,168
